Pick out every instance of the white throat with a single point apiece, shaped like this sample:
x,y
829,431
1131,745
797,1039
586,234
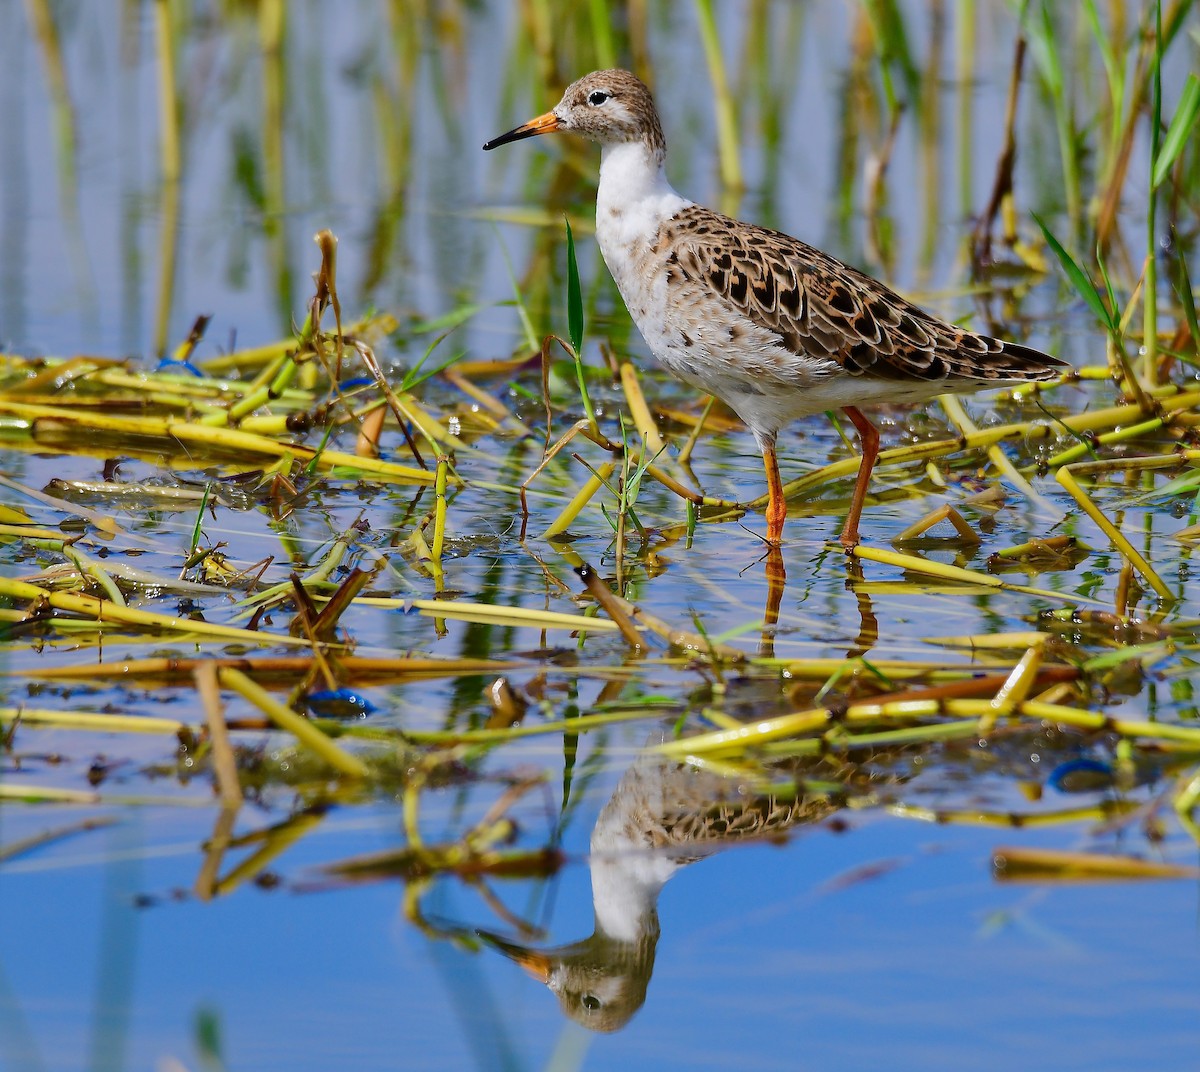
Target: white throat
x,y
634,196
631,171
625,889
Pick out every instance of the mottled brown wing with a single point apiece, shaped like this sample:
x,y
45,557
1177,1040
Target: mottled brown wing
x,y
823,308
662,804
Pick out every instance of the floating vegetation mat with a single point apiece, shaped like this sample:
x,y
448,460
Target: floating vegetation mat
x,y
314,581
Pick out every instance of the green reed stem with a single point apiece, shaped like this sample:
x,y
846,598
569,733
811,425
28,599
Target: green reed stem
x,y
727,142
1150,290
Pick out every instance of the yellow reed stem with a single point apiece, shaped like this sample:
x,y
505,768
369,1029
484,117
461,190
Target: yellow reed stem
x,y
1067,479
571,511
1080,450
486,613
1015,688
287,719
89,720
103,610
957,573
640,411
958,415
228,439
439,511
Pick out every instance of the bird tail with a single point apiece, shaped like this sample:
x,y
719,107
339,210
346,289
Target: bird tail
x,y
1026,363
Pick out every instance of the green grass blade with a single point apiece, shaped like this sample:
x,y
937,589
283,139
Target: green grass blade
x,y
415,375
1113,69
1108,286
1080,280
1150,289
574,294
451,320
315,460
575,326
1043,41
894,48
1187,299
1179,131
531,338
198,528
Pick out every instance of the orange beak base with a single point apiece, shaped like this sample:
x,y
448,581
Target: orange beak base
x,y
535,962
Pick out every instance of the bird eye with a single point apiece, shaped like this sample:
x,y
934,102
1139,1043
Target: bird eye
x,y
590,1001
598,97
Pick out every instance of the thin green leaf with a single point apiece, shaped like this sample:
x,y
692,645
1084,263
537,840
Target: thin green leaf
x,y
1081,281
198,527
1144,653
1150,287
449,321
1179,131
575,326
584,396
1043,42
1108,287
574,295
1188,482
315,461
1113,68
570,755
1181,485
1187,299
531,339
415,375
896,48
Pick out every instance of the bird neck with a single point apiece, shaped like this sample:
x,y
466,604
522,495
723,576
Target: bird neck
x,y
625,891
633,201
632,172
628,872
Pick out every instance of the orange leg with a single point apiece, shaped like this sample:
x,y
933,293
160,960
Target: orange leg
x,y
868,437
776,507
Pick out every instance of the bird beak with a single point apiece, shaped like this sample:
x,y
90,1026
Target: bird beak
x,y
543,124
534,961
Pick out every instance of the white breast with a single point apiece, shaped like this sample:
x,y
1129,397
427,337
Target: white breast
x,y
703,342
633,201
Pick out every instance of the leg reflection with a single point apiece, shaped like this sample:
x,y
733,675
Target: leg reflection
x,y
868,624
776,582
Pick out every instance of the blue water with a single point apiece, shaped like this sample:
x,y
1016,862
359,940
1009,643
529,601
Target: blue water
x,y
773,952
887,945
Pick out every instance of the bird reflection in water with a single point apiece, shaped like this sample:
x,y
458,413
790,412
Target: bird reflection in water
x,y
663,816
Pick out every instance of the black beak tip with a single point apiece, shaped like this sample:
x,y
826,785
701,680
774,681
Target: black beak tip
x,y
516,134
503,139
